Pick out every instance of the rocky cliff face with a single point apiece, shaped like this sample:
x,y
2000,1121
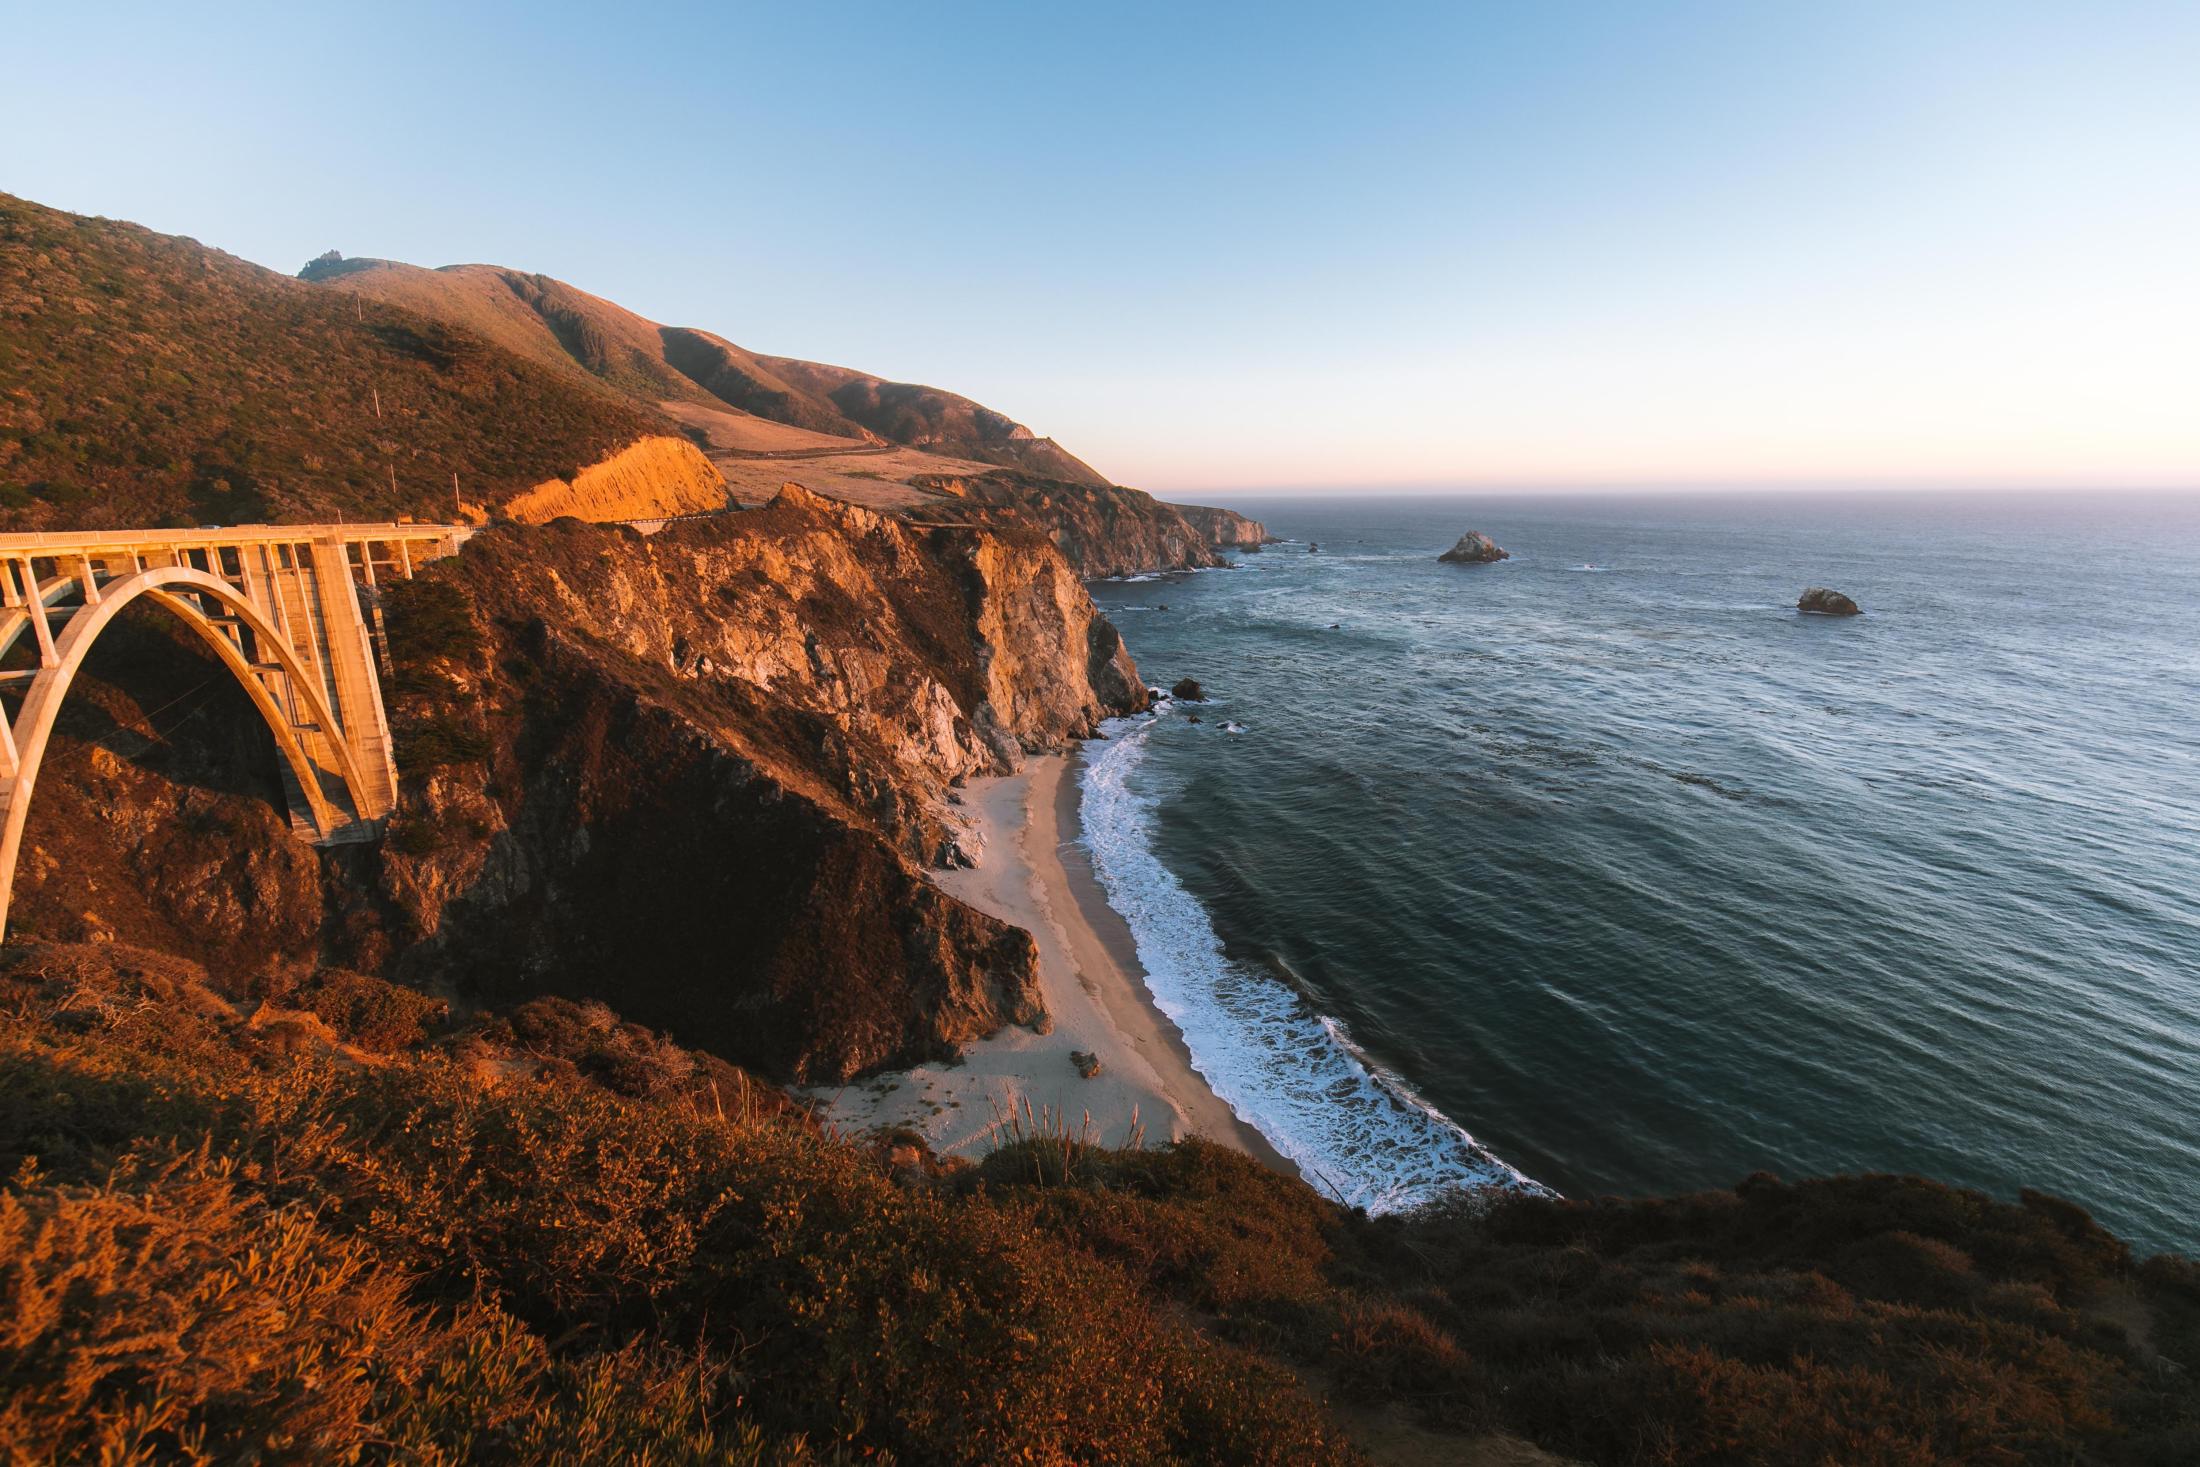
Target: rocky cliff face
x,y
694,774
1103,530
1224,529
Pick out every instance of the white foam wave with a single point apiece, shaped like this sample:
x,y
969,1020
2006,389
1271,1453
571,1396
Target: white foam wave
x,y
1355,1129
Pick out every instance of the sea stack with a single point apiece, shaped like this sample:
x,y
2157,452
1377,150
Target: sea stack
x,y
1475,548
1826,603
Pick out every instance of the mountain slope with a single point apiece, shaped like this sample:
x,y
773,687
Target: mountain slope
x,y
926,417
150,379
557,325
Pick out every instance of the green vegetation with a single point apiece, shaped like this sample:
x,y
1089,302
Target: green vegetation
x,y
228,1240
153,380
1852,1320
434,647
554,1236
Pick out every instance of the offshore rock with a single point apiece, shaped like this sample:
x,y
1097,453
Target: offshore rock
x,y
1475,548
1823,602
1188,690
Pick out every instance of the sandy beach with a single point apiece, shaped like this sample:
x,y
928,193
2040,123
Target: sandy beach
x,y
1034,874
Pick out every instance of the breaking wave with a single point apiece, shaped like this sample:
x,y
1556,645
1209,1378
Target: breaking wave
x,y
1355,1129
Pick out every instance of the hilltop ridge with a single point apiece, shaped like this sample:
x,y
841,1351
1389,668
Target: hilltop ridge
x,y
560,325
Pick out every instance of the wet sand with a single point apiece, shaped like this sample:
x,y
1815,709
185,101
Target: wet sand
x,y
1031,872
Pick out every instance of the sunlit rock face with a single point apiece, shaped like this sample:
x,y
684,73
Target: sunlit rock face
x,y
650,477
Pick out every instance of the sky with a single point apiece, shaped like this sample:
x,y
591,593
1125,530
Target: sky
x,y
1542,243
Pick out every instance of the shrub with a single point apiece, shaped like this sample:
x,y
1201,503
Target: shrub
x,y
440,740
539,1268
371,1012
428,619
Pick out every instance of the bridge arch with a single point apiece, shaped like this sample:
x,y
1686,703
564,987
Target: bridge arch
x,y
178,588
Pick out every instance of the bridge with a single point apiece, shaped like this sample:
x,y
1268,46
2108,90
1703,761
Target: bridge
x,y
293,611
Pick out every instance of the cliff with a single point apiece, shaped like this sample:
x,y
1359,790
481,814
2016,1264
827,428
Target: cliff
x,y
650,477
1103,530
1224,529
695,774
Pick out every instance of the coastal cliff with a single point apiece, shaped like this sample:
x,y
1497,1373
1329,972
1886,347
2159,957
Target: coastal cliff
x,y
1103,530
1224,529
695,774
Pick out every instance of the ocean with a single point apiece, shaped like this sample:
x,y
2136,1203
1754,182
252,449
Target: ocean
x,y
1603,870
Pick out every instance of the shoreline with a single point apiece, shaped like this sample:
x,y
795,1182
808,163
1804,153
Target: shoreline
x,y
1031,872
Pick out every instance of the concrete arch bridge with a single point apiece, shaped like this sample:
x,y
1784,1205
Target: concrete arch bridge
x,y
291,610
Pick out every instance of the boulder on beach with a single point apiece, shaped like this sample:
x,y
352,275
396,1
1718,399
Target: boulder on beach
x,y
1188,690
1475,548
1826,603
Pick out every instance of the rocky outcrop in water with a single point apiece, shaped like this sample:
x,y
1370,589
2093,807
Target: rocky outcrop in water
x,y
1475,548
696,775
1823,602
1224,529
1188,690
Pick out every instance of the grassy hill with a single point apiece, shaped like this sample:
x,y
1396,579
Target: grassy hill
x,y
556,325
152,380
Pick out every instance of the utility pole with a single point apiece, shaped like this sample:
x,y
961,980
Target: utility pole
x,y
457,505
377,403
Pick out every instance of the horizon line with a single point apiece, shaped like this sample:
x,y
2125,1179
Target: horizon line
x,y
1614,488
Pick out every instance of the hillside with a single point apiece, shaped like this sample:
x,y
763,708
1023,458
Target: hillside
x,y
315,1217
152,380
556,325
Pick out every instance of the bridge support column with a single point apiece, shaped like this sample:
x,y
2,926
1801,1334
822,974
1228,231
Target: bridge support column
x,y
351,672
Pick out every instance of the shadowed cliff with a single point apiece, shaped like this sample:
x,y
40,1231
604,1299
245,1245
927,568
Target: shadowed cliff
x,y
696,773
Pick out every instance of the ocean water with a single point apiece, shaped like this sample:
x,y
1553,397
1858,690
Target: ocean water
x,y
1602,869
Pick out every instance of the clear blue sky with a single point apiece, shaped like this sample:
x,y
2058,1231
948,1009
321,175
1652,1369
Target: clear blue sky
x,y
1260,245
